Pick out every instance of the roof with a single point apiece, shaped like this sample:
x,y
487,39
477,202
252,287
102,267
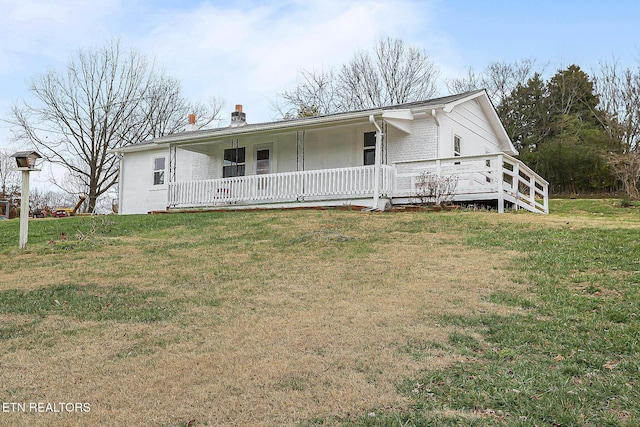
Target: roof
x,y
27,154
446,103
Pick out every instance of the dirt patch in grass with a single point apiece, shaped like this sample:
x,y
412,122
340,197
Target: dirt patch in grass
x,y
318,318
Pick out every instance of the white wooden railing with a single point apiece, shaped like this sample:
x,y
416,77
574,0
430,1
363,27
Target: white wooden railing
x,y
481,177
497,177
341,183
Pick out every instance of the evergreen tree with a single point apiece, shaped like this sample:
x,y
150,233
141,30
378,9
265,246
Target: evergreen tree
x,y
555,127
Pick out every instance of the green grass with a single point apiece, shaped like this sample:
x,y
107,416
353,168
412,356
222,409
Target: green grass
x,y
89,302
568,355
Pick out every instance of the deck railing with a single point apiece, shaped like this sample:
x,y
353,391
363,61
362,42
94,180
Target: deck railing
x,y
481,177
340,183
498,177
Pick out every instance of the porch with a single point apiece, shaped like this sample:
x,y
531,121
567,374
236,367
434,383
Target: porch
x,y
336,186
496,177
491,177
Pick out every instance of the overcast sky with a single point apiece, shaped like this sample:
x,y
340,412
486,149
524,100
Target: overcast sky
x,y
246,51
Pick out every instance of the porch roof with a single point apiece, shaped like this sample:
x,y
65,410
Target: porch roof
x,y
446,103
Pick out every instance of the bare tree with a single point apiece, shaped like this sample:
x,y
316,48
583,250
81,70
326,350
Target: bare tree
x,y
393,73
315,93
619,112
106,99
619,93
8,177
498,78
626,168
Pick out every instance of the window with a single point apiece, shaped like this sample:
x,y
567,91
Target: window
x,y
456,147
369,148
158,170
234,162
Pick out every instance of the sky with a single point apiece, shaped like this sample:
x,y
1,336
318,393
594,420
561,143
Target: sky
x,y
248,51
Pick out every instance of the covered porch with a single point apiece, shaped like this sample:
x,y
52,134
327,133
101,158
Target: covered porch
x,y
315,187
480,178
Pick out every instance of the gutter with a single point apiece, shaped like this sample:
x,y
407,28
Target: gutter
x,y
120,180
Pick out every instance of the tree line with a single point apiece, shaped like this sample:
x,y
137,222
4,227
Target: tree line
x,y
579,131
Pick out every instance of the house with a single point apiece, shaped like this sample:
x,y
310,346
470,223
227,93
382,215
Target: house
x,y
373,158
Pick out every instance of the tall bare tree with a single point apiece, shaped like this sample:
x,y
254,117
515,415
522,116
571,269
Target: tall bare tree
x,y
106,98
315,93
9,188
619,92
8,176
619,112
393,73
498,78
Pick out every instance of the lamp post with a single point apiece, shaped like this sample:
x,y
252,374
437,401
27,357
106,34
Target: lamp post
x,y
26,162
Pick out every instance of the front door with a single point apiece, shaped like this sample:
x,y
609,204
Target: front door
x,y
263,166
263,161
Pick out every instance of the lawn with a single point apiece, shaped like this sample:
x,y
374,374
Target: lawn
x,y
324,318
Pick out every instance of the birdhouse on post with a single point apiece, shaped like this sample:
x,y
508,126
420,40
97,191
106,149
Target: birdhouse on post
x,y
26,161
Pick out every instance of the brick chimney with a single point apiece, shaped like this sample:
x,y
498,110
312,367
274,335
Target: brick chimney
x,y
191,125
238,118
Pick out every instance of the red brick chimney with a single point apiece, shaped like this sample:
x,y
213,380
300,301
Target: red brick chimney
x,y
191,125
238,118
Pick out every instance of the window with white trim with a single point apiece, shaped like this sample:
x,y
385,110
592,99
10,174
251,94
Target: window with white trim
x,y
369,157
159,168
457,142
234,162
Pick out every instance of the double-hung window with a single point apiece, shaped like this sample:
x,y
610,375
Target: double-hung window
x,y
369,148
234,162
159,168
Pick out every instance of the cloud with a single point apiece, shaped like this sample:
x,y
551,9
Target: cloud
x,y
247,51
243,51
45,32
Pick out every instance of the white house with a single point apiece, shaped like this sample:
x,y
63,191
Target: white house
x,y
371,158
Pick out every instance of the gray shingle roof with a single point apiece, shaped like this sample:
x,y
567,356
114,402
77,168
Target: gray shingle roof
x,y
305,122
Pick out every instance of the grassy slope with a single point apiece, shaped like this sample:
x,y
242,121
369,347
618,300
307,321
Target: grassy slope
x,y
570,356
563,351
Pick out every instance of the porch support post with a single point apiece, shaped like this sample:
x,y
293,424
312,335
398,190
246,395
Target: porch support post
x,y
500,177
300,150
376,171
516,181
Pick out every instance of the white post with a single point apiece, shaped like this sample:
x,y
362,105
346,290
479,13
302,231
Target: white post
x,y
515,180
500,176
378,157
24,210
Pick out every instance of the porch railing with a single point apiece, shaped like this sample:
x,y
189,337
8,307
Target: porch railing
x,y
482,177
356,182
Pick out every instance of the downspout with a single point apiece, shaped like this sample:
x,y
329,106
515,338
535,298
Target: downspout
x,y
433,113
376,171
120,181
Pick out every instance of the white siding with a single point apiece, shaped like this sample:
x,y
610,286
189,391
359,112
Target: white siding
x,y
337,146
284,148
469,122
139,195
